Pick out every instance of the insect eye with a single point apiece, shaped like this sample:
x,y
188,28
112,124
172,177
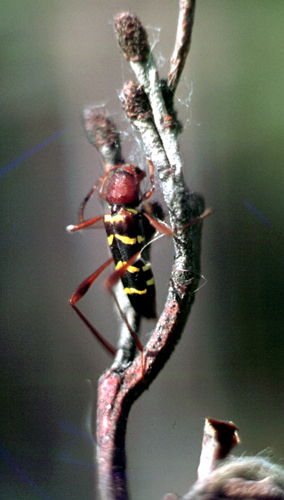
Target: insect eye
x,y
138,170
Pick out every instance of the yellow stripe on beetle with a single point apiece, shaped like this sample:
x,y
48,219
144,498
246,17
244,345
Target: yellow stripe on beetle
x,y
146,267
131,269
119,217
110,239
151,281
125,239
132,291
114,218
132,210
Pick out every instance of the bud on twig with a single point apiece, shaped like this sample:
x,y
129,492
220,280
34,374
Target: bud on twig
x,y
135,102
102,133
132,37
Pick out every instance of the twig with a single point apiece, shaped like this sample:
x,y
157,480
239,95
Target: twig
x,y
182,45
119,387
149,107
145,70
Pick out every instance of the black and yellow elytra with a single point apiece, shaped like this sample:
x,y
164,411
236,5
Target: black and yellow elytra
x,y
128,231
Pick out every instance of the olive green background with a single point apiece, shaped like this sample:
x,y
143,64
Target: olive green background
x,y
56,57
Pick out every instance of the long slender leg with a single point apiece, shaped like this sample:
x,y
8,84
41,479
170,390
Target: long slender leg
x,y
163,228
90,194
159,225
109,347
85,201
79,294
151,172
110,282
206,212
84,224
88,197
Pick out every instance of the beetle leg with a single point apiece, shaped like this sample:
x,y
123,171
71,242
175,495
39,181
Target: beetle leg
x,y
159,225
84,224
85,201
163,228
152,189
100,183
79,294
206,212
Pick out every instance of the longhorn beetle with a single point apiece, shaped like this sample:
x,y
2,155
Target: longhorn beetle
x,y
129,229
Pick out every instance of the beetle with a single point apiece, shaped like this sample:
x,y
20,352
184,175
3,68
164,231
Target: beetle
x,y
130,226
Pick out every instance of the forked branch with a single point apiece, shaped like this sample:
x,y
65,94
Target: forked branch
x,y
149,106
150,110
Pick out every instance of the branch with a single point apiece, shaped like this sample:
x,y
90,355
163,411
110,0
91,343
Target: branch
x,y
149,107
182,45
120,386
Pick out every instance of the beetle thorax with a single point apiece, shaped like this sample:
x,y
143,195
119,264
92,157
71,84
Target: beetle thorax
x,y
123,189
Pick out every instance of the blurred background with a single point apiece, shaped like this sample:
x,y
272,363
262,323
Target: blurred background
x,y
56,58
